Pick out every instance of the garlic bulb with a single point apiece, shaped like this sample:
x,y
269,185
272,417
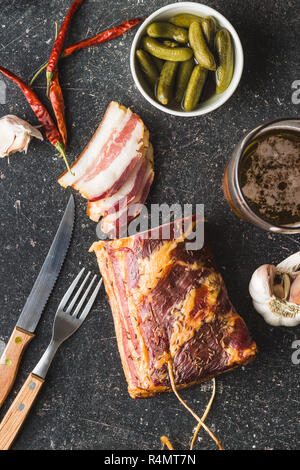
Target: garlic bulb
x,y
275,291
15,135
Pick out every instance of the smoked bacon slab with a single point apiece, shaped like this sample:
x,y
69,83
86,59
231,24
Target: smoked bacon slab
x,y
170,302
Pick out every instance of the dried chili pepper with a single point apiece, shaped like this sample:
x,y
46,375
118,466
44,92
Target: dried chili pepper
x,y
59,42
40,111
102,37
58,105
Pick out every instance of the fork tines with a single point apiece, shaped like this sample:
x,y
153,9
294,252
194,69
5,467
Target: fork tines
x,y
77,311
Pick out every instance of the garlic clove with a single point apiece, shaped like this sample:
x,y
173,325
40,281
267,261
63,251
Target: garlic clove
x,y
261,283
7,137
21,141
15,135
286,285
295,291
281,289
291,264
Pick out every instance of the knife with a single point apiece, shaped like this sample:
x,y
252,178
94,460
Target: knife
x,y
35,304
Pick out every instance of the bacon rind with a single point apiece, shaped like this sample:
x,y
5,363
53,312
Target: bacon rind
x,y
169,283
123,345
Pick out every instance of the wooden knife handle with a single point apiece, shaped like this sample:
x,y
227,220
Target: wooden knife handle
x,y
15,417
10,360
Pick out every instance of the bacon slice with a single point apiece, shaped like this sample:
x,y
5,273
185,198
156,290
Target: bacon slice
x,y
170,302
135,190
126,193
108,159
116,223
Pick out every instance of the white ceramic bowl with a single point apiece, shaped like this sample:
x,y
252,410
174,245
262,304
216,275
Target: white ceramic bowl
x,y
164,14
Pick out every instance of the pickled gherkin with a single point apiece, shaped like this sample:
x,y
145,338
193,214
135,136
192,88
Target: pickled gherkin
x,y
167,31
209,29
165,87
175,54
199,45
195,88
224,52
182,79
185,19
148,67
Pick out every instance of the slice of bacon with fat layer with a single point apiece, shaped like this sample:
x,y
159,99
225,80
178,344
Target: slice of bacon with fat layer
x,y
111,155
115,223
127,193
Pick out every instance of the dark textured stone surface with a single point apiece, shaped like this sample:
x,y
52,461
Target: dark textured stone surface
x,y
84,404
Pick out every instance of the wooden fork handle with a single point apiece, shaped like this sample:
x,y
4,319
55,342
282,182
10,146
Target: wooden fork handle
x,y
15,417
10,360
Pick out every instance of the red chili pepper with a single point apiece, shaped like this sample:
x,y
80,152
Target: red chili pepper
x,y
40,111
102,37
95,41
60,40
58,105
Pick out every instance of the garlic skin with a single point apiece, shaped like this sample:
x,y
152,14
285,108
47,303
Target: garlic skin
x,y
15,135
263,288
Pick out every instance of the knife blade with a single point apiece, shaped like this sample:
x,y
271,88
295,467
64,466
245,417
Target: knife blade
x,y
24,330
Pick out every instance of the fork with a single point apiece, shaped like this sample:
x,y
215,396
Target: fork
x,y
66,322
